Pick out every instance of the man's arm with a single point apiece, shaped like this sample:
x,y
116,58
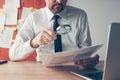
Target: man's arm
x,y
84,40
21,47
26,41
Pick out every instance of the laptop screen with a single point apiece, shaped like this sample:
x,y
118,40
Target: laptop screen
x,y
112,63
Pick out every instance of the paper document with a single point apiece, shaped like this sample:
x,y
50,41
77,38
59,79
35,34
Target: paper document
x,y
13,3
56,59
6,37
11,15
2,20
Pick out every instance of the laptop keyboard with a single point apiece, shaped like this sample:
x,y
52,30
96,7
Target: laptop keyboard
x,y
93,74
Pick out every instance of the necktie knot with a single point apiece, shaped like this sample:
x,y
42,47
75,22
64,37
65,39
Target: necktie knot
x,y
56,17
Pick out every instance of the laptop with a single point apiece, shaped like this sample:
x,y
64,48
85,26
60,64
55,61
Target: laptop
x,y
112,62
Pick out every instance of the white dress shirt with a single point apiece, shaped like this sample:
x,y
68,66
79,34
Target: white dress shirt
x,y
78,37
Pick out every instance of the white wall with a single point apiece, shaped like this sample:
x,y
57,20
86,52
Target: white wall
x,y
101,13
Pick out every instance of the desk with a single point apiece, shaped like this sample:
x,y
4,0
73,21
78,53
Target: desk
x,y
34,71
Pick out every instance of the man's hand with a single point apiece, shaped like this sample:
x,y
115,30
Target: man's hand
x,y
88,63
43,38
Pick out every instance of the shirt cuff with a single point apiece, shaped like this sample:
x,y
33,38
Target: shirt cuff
x,y
29,48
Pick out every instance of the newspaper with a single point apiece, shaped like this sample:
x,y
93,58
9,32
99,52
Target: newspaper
x,y
56,59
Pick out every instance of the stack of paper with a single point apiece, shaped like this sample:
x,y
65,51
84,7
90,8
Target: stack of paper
x,y
56,59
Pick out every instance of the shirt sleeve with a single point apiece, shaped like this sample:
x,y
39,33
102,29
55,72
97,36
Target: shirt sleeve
x,y
83,37
21,47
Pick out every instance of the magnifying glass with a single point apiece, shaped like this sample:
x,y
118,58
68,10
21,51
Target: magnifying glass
x,y
63,29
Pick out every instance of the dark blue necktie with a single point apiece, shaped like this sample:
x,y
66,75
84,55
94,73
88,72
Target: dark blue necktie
x,y
57,42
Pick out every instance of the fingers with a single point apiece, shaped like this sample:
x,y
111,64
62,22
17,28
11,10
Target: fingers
x,y
82,61
49,35
94,56
45,37
88,62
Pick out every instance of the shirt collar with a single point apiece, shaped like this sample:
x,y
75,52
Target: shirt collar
x,y
63,14
49,14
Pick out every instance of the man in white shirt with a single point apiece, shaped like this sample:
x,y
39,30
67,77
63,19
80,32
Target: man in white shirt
x,y
37,32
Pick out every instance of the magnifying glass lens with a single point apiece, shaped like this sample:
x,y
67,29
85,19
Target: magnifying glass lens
x,y
64,29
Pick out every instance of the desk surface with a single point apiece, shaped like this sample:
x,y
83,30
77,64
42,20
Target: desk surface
x,y
35,71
